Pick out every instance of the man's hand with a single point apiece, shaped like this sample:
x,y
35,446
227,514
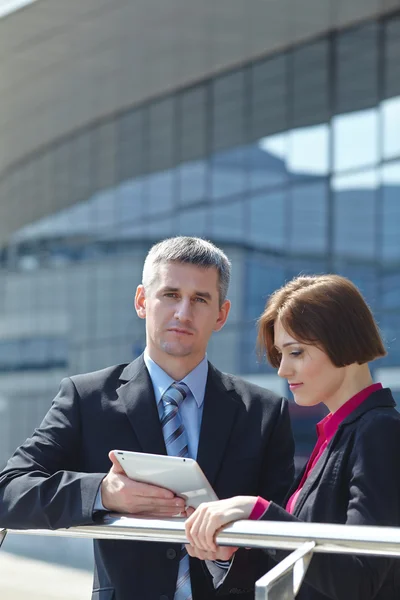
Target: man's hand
x,y
121,494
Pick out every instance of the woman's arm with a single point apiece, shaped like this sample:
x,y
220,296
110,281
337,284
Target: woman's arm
x,y
374,499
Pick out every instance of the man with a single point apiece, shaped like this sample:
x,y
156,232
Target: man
x,y
239,433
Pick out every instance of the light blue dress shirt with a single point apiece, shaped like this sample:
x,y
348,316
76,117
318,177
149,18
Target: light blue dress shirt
x,y
191,409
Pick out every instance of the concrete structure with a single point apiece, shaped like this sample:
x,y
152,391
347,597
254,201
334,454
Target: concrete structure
x,y
22,578
271,127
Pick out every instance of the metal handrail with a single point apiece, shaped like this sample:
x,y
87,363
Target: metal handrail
x,y
308,537
252,534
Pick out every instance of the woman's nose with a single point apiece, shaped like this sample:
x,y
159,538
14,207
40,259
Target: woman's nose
x,y
283,370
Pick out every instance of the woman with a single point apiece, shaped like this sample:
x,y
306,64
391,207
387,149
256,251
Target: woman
x,y
320,334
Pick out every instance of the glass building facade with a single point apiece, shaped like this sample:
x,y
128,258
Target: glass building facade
x,y
290,163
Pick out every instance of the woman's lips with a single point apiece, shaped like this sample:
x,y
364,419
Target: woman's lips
x,y
294,386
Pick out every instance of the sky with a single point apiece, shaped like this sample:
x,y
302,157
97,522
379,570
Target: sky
x,y
9,6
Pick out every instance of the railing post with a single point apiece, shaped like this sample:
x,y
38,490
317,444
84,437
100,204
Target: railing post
x,y
283,581
3,533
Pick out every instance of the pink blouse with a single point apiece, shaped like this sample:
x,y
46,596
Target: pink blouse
x,y
326,429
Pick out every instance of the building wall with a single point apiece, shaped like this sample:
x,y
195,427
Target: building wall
x,y
291,163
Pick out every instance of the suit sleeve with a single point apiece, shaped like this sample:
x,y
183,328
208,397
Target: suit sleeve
x,y
41,486
374,499
276,476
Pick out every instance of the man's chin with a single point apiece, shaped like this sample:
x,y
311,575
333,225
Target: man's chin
x,y
176,350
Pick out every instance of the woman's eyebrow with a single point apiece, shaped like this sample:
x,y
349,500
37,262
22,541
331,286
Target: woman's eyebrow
x,y
287,344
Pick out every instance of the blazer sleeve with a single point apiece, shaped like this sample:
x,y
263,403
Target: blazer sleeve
x,y
374,499
41,486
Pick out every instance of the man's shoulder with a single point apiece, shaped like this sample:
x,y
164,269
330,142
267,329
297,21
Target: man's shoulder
x,y
104,374
108,377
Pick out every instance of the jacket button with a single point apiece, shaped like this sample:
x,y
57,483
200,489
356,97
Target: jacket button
x,y
171,554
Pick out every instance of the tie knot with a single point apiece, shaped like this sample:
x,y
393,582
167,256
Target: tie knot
x,y
176,393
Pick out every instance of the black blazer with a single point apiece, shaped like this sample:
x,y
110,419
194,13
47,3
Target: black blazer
x,y
245,447
356,481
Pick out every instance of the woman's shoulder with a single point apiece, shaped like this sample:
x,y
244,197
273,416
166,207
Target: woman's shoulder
x,y
380,425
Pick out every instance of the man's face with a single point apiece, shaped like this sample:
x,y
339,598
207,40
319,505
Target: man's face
x,y
181,308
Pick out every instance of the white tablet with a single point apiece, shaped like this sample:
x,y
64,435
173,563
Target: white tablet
x,y
183,476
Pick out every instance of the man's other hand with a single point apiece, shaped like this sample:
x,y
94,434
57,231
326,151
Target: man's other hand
x,y
121,494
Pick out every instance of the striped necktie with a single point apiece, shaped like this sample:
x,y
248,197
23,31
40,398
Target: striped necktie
x,y
176,445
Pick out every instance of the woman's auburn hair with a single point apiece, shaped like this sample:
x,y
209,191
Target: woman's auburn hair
x,y
327,311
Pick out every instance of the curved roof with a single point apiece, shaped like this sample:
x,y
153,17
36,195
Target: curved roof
x,y
65,63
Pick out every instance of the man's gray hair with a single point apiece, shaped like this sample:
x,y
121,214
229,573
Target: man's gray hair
x,y
191,250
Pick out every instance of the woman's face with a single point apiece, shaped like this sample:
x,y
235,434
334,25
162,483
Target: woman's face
x,y
311,375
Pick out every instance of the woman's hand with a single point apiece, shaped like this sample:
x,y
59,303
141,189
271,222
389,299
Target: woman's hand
x,y
202,526
223,553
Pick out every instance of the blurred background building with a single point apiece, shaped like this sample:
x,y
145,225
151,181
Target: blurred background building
x,y
271,127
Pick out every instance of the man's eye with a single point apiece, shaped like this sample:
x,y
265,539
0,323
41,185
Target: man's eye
x,y
200,300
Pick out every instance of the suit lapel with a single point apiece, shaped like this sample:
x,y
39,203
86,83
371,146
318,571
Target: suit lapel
x,y
136,394
294,486
312,478
220,408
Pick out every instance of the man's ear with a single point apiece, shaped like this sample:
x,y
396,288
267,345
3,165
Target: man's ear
x,y
140,302
223,315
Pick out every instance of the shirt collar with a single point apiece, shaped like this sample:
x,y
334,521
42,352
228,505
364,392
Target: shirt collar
x,y
329,425
196,380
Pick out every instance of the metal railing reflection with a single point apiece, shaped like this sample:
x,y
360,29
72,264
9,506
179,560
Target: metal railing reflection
x,y
284,580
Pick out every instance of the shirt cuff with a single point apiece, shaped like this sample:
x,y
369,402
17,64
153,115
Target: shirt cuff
x,y
218,570
98,505
259,509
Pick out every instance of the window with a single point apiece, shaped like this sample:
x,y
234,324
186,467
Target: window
x,y
390,213
192,144
35,353
194,221
354,219
161,134
132,144
104,155
192,123
391,104
228,222
355,128
264,275
81,183
268,121
309,100
267,220
228,162
228,112
309,218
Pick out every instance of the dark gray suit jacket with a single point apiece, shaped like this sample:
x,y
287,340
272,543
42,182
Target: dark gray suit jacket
x,y
356,481
245,447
